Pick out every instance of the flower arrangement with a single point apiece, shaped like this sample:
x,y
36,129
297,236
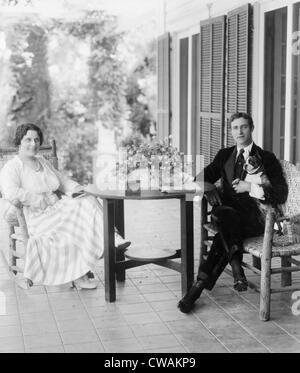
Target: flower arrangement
x,y
153,164
161,149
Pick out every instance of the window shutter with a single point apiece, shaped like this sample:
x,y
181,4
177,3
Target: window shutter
x,y
212,58
238,65
163,86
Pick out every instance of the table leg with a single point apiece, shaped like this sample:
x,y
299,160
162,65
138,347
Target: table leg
x,y
109,250
119,217
119,224
187,244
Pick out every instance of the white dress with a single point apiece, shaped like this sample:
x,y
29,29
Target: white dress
x,y
66,235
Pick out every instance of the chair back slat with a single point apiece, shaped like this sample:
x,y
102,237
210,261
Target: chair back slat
x,y
291,208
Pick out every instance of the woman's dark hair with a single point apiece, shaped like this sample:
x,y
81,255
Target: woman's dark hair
x,y
242,115
23,129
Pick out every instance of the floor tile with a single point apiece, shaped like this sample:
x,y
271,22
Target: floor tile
x,y
39,307
123,345
79,336
7,320
134,308
74,324
39,327
66,305
130,298
164,305
47,350
31,317
152,288
246,345
163,350
117,333
64,314
162,296
84,348
11,343
141,318
10,331
209,347
157,341
149,329
281,344
103,311
42,340
195,342
171,315
108,322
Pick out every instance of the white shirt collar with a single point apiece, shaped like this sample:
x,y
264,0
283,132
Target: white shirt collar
x,y
247,150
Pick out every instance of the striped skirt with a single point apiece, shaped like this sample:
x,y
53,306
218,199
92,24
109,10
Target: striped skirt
x,y
66,241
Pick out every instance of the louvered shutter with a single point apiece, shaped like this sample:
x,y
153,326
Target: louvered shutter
x,y
163,86
212,58
238,65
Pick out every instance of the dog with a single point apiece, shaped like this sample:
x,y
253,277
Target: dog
x,y
255,173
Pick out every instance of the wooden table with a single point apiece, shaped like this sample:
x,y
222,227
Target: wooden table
x,y
113,268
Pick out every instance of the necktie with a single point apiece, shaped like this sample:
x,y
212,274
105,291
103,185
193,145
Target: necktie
x,y
239,165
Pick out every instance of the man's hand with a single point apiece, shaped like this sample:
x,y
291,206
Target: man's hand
x,y
213,197
241,186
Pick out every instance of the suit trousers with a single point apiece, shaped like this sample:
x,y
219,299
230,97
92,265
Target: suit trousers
x,y
227,244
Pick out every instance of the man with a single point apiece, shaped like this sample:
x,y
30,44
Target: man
x,y
235,208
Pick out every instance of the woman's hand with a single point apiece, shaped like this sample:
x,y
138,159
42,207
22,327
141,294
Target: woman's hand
x,y
241,186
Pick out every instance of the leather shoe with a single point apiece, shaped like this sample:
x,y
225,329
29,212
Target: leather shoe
x,y
186,303
241,284
120,250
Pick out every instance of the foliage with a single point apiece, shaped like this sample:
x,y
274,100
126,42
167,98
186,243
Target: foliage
x,y
67,77
141,90
81,106
156,164
161,149
134,139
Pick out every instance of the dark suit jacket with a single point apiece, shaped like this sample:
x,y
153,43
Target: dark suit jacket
x,y
222,168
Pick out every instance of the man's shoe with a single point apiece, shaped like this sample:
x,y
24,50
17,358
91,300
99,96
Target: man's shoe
x,y
120,250
240,281
120,244
241,284
186,303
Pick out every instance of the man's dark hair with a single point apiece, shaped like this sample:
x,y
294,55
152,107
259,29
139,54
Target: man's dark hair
x,y
23,129
242,115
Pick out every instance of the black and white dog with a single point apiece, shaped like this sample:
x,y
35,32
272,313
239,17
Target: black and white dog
x,y
255,173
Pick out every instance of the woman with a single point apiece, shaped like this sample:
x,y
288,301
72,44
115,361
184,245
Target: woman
x,y
65,235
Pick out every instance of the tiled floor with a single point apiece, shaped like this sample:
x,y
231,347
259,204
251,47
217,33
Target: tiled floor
x,y
144,318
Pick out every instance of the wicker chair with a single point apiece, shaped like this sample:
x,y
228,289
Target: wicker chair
x,y
283,244
18,233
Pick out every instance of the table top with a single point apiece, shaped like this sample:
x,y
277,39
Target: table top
x,y
145,194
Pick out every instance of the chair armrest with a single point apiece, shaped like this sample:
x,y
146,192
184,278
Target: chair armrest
x,y
20,218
